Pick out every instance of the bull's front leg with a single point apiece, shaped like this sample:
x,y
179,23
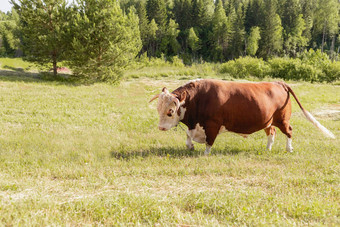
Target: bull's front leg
x,y
207,149
211,132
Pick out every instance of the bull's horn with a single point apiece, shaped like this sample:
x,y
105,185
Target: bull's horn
x,y
155,97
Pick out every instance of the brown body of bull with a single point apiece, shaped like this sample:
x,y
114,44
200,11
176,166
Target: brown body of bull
x,y
242,108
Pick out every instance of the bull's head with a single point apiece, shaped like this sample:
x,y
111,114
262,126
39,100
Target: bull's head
x,y
168,106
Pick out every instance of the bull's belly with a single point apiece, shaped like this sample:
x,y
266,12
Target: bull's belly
x,y
223,129
246,129
198,133
243,128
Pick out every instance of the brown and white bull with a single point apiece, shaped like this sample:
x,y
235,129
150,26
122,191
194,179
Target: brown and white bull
x,y
209,107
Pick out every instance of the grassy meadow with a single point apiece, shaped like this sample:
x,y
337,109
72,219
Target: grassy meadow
x,y
72,154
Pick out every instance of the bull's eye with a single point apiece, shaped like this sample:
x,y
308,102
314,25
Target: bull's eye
x,y
170,112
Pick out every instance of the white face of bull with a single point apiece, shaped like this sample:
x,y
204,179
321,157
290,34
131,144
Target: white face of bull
x,y
168,106
168,116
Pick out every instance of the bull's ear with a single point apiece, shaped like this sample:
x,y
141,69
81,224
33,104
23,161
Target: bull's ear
x,y
182,97
165,90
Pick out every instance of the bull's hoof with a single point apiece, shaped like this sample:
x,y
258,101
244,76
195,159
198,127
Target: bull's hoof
x,y
191,147
289,150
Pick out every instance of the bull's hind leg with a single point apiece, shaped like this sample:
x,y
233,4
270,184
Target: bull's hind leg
x,y
287,130
189,143
271,132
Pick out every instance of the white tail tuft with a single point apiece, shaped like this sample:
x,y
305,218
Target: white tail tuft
x,y
318,125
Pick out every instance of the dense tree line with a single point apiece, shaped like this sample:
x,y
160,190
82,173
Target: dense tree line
x,y
220,30
104,34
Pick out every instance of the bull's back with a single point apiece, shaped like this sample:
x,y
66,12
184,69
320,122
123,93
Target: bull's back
x,y
245,107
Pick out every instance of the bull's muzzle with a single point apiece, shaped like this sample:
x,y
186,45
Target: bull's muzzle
x,y
162,128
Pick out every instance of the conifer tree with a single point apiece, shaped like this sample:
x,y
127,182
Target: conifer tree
x,y
105,40
197,7
152,38
183,14
295,41
236,19
271,36
156,9
171,38
203,11
290,14
44,26
221,33
307,7
254,15
143,24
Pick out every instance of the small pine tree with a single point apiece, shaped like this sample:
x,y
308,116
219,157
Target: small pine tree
x,y
104,42
44,24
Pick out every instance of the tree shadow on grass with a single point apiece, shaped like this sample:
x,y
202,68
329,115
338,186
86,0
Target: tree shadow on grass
x,y
171,152
13,68
20,75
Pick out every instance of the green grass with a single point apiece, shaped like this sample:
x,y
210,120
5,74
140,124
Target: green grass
x,y
16,64
92,155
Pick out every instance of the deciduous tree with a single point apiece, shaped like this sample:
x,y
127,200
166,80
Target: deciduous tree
x,y
253,41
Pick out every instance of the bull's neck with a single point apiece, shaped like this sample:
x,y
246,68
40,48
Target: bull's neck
x,y
183,112
190,90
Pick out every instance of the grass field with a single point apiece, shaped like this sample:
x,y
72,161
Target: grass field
x,y
92,155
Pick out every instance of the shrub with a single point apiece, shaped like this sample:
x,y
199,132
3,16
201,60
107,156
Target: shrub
x,y
331,72
245,67
176,61
293,69
327,70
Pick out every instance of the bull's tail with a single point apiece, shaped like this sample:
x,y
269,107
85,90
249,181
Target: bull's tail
x,y
309,116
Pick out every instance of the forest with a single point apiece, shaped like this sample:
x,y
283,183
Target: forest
x,y
98,38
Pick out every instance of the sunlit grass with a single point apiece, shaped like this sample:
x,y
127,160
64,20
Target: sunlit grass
x,y
92,155
16,64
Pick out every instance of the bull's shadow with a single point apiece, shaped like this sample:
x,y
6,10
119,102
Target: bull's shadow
x,y
172,152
